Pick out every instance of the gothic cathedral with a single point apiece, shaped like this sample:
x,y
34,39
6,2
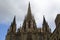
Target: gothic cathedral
x,y
29,30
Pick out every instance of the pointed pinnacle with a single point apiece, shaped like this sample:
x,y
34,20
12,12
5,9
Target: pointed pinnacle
x,y
29,14
44,21
14,20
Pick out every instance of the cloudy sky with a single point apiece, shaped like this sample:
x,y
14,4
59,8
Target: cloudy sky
x,y
18,8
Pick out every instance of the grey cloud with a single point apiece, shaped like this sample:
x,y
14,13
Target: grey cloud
x,y
9,8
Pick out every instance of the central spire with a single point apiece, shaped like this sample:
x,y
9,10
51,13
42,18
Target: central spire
x,y
29,21
29,14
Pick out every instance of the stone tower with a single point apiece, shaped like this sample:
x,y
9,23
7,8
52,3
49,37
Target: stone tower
x,y
46,29
45,26
11,31
28,28
29,21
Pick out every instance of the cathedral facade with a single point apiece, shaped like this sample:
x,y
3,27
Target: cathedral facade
x,y
29,30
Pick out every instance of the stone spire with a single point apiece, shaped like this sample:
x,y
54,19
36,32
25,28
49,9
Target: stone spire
x,y
11,31
46,29
29,21
13,26
29,14
14,20
45,25
44,21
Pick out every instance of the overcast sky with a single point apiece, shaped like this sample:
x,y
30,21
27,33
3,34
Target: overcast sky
x,y
48,8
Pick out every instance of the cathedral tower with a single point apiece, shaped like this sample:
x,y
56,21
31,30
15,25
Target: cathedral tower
x,y
11,31
46,29
29,21
45,26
